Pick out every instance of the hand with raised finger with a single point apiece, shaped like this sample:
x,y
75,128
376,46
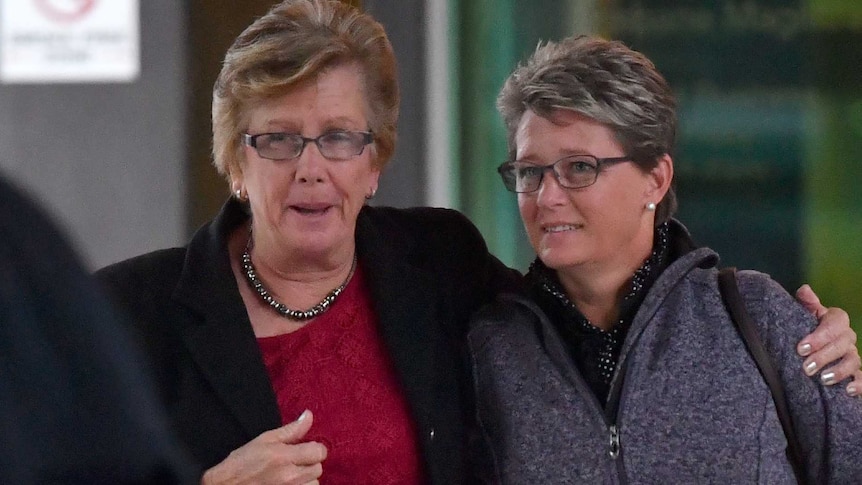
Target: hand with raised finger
x,y
277,457
832,345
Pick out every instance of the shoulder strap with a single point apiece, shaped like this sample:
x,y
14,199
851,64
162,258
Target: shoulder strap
x,y
747,329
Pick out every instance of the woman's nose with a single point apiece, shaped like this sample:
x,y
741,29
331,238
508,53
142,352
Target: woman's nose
x,y
311,165
550,191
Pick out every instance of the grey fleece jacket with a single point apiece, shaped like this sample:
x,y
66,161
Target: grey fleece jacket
x,y
688,406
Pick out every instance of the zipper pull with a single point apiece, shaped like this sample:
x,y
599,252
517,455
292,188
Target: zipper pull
x,y
614,442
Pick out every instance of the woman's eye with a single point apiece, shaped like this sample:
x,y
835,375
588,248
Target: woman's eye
x,y
277,138
580,167
338,137
527,172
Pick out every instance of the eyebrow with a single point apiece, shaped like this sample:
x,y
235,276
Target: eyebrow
x,y
328,124
563,153
279,124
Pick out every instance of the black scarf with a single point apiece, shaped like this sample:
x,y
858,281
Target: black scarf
x,y
596,351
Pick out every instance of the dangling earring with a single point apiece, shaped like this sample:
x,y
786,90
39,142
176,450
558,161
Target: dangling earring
x,y
650,206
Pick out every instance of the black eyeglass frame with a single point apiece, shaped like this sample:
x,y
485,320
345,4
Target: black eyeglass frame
x,y
510,180
251,140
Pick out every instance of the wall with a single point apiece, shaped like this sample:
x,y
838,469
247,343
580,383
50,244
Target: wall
x,y
108,159
127,169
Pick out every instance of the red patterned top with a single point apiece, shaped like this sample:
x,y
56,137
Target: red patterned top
x,y
337,367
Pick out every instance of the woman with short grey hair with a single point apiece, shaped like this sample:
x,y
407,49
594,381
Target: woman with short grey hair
x,y
605,81
622,365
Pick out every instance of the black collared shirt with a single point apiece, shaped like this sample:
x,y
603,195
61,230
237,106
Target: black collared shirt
x,y
595,351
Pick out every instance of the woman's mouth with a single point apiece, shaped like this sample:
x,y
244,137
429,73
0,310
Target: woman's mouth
x,y
562,228
311,210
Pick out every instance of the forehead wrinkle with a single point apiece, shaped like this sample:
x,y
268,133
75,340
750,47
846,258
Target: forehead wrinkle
x,y
565,147
294,125
563,152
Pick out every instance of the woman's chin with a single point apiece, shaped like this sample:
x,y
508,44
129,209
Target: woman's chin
x,y
316,243
559,258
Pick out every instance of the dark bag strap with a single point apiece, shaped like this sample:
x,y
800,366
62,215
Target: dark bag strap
x,y
733,300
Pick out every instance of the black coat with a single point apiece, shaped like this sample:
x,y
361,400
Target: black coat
x,y
428,270
76,405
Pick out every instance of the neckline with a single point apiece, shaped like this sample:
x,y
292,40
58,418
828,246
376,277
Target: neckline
x,y
281,309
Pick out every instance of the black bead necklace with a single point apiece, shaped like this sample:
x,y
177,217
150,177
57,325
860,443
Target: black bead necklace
x,y
280,308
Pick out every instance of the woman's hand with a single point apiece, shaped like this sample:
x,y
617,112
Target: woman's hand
x,y
833,341
276,456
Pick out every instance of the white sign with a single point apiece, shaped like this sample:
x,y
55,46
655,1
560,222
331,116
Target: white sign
x,y
68,41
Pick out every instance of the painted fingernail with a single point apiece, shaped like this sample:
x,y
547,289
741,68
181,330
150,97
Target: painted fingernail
x,y
811,368
302,416
853,390
804,349
828,378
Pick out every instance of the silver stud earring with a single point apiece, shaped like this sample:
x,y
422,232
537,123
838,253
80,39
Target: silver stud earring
x,y
371,194
238,194
650,206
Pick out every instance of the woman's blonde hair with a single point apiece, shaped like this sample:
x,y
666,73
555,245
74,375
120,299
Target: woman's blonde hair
x,y
294,42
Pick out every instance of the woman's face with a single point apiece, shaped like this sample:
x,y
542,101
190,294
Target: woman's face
x,y
309,205
600,226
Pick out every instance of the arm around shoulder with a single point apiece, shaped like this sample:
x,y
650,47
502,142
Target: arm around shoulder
x,y
826,419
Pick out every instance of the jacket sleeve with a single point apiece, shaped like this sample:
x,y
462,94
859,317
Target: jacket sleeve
x,y
826,420
471,277
478,277
77,404
452,249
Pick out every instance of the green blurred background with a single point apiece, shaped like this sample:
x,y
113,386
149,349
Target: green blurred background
x,y
770,107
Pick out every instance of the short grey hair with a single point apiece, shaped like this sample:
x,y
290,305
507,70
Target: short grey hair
x,y
603,80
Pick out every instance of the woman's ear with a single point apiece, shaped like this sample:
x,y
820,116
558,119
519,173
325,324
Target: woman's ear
x,y
237,187
660,177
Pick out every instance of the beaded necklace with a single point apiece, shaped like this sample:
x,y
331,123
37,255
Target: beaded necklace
x,y
280,308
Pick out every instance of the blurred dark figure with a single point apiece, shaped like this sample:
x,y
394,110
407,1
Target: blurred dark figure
x,y
74,405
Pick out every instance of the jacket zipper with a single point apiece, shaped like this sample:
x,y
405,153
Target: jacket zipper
x,y
614,442
607,415
612,408
608,418
615,451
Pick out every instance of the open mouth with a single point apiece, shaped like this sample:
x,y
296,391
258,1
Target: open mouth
x,y
562,228
311,210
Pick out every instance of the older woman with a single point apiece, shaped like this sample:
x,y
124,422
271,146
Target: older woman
x,y
622,365
301,333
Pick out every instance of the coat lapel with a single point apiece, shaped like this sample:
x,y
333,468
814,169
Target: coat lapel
x,y
222,343
230,359
406,301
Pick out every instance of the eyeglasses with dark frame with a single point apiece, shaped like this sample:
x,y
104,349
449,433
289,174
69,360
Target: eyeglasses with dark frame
x,y
572,172
336,145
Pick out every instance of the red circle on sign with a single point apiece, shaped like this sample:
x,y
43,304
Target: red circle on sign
x,y
65,10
